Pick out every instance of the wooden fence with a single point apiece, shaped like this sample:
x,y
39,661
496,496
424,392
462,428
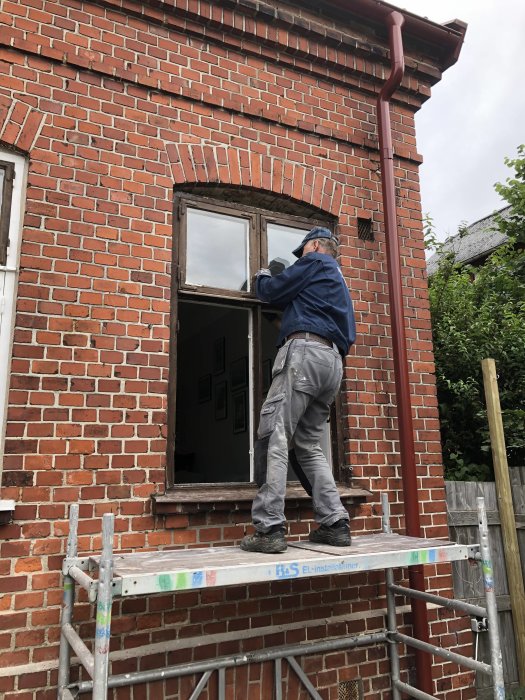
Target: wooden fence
x,y
468,585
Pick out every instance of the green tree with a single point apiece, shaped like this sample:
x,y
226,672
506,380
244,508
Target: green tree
x,y
479,312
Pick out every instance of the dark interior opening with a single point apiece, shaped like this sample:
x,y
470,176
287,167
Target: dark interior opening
x,y
216,406
212,443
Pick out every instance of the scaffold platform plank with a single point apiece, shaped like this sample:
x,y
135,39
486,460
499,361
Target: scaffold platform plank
x,y
141,573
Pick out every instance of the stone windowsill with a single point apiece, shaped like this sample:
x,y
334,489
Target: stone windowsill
x,y
201,498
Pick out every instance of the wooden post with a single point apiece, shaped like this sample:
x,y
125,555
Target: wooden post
x,y
506,511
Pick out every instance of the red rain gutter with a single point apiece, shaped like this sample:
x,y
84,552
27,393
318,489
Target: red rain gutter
x,y
395,21
444,41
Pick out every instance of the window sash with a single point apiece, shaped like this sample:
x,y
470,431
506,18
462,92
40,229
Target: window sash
x,y
253,256
8,170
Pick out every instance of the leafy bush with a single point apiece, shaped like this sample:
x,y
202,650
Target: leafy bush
x,y
516,694
479,312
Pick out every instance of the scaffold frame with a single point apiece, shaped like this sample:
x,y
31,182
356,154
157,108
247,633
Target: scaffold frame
x,y
148,573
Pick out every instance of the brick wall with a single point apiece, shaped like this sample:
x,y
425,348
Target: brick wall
x,y
114,104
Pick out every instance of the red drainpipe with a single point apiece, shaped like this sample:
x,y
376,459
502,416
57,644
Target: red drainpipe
x,y
406,432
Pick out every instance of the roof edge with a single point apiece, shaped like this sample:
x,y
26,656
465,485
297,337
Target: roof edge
x,y
447,38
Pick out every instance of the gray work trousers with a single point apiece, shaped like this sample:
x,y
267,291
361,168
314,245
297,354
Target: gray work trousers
x,y
306,376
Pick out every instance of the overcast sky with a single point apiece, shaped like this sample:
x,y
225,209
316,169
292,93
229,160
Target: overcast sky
x,y
476,114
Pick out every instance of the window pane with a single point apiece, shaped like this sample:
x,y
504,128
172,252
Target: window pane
x,y
217,250
281,241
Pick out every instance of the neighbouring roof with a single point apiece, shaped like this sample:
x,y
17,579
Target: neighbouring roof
x,y
477,241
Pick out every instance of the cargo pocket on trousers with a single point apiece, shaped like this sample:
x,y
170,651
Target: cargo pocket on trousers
x,y
269,414
261,460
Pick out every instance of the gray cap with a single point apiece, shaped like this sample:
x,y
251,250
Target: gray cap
x,y
314,234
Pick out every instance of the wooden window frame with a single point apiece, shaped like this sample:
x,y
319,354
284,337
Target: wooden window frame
x,y
5,211
180,291
214,207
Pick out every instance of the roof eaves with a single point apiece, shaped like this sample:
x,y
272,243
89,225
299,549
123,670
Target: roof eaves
x,y
446,39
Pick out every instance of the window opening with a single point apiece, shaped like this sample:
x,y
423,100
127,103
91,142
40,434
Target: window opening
x,y
225,339
7,172
12,196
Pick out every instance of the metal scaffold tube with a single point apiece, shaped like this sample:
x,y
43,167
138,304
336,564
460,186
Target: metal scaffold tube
x,y
278,679
413,692
443,653
68,598
200,686
391,606
118,681
78,646
85,581
222,684
490,595
103,620
304,679
450,603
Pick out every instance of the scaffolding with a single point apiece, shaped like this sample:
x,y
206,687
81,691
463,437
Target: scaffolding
x,y
147,573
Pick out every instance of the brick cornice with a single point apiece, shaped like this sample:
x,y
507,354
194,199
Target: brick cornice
x,y
286,32
291,40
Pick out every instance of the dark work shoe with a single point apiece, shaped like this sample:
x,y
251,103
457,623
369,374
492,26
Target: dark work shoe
x,y
271,542
336,535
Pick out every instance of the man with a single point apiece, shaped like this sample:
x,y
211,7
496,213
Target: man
x,y
316,333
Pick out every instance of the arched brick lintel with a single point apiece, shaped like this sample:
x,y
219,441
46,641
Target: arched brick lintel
x,y
20,125
231,166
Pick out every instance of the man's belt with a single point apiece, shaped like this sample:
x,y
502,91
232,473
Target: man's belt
x,y
309,336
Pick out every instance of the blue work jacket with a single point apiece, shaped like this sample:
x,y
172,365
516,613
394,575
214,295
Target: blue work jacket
x,y
314,296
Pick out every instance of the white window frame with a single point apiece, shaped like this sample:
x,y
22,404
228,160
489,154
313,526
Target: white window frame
x,y
9,283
